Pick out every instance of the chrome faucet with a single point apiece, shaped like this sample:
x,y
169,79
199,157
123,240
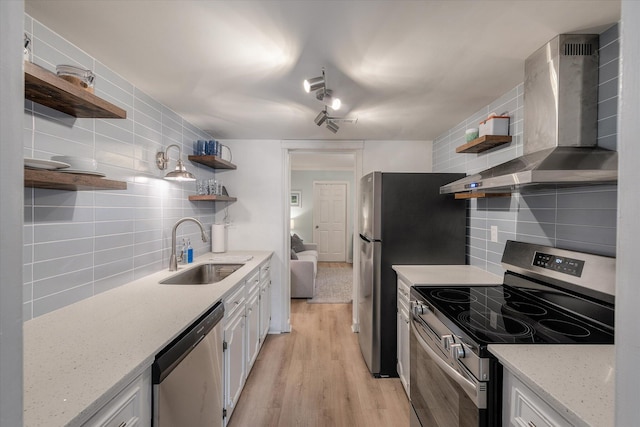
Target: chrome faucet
x,y
173,261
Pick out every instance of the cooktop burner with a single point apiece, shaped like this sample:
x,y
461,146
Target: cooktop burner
x,y
505,314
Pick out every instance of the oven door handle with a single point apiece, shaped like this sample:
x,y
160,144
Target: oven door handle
x,y
468,386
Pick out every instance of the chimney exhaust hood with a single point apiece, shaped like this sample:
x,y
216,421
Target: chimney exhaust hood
x,y
560,124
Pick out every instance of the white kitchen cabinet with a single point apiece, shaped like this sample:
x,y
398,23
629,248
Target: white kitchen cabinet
x,y
265,299
522,407
235,367
403,330
131,407
253,327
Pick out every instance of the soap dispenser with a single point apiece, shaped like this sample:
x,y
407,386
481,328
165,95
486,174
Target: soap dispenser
x,y
189,252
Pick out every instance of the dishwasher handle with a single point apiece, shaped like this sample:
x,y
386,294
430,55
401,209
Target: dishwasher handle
x,y
180,347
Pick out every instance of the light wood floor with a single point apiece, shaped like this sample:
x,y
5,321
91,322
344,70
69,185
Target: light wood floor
x,y
315,376
335,264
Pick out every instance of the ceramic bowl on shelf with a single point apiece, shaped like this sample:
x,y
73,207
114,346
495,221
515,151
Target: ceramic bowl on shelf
x,y
78,163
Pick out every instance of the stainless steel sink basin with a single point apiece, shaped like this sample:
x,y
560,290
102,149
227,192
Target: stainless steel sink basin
x,y
202,274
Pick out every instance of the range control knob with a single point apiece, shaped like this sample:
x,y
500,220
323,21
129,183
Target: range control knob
x,y
456,351
419,308
446,341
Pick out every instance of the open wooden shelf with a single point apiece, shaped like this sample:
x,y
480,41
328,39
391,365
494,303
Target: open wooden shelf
x,y
483,143
46,88
212,198
479,195
214,162
69,181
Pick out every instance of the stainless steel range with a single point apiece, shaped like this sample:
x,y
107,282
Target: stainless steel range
x,y
549,296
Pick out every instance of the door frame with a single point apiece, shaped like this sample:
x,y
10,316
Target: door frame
x,y
347,220
316,146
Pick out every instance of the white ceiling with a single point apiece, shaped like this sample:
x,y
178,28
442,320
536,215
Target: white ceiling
x,y
406,69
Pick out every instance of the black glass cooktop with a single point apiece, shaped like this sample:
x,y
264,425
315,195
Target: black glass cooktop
x,y
504,314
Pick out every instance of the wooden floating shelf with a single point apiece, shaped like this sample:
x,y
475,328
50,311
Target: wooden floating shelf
x,y
478,195
483,143
69,181
212,198
46,88
213,162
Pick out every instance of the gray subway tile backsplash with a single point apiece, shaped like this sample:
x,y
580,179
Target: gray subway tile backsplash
x,y
581,218
78,244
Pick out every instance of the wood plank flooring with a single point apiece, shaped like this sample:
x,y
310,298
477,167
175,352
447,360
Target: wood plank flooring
x,y
315,376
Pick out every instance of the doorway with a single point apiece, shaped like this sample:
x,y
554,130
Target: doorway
x,y
329,161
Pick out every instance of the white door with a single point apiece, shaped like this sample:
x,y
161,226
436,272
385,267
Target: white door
x,y
330,220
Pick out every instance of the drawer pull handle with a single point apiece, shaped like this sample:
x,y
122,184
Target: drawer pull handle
x,y
123,424
531,424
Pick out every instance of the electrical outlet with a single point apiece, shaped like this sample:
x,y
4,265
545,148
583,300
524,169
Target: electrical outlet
x,y
494,233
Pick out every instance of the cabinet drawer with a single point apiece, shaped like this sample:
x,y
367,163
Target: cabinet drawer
x,y
234,301
403,305
403,290
527,409
253,281
265,270
128,408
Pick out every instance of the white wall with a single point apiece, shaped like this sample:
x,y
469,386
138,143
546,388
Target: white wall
x,y
627,289
11,214
257,218
397,156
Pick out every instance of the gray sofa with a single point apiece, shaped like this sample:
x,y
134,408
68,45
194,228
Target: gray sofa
x,y
303,272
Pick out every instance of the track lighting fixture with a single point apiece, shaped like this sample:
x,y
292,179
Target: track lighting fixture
x,y
314,84
321,117
332,126
324,95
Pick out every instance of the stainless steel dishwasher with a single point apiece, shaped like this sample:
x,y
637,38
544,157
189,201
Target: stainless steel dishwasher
x,y
187,376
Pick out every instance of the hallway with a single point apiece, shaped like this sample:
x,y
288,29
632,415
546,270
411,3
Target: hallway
x,y
315,376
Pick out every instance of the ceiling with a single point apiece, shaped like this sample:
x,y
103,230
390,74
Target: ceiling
x,y
407,70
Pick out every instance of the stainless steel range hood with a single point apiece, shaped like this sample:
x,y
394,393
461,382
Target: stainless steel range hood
x,y
560,124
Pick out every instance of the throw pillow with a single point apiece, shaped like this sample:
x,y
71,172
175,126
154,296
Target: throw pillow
x,y
293,255
296,243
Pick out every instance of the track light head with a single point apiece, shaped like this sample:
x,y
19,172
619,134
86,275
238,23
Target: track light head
x,y
332,126
316,83
321,117
326,96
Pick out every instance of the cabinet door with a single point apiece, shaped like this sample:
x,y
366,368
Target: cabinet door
x,y
253,329
400,353
235,372
265,309
404,357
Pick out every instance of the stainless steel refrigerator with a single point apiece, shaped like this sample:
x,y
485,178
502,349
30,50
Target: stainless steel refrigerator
x,y
404,220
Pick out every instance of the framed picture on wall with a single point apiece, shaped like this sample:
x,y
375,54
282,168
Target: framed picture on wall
x,y
295,198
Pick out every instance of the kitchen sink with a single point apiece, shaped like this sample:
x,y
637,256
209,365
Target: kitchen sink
x,y
202,274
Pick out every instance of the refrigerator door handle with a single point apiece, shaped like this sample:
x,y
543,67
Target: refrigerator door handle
x,y
368,239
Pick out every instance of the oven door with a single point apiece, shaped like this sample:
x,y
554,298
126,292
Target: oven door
x,y
440,395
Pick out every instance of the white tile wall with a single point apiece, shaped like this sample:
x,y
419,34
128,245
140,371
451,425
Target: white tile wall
x,y
578,218
78,244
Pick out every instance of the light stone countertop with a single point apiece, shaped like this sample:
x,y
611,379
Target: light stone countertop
x,y
576,380
76,358
436,275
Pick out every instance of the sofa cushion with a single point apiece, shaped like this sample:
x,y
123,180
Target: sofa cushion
x,y
296,243
293,254
311,256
